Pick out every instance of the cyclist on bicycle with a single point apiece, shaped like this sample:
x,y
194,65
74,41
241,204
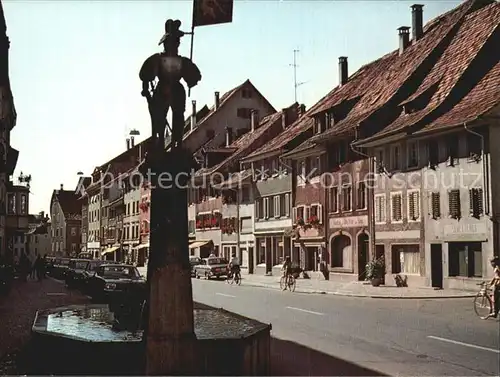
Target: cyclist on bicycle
x,y
234,265
287,268
495,287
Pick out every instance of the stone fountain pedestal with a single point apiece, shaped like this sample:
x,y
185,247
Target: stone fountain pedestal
x,y
82,340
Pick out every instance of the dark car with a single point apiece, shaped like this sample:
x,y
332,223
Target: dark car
x,y
211,267
194,261
89,271
74,277
60,268
114,283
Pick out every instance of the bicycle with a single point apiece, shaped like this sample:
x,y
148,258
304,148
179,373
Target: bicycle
x,y
234,278
482,302
288,282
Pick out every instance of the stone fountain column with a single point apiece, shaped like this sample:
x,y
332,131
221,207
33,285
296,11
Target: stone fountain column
x,y
170,338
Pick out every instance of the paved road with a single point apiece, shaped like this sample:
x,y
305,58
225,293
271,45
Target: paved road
x,y
396,337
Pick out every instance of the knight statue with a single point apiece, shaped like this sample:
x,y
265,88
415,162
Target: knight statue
x,y
169,92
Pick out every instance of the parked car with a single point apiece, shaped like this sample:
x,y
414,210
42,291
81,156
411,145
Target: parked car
x,y
194,261
88,272
114,283
212,267
74,277
60,268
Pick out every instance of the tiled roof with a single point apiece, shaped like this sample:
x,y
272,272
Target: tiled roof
x,y
391,78
269,126
463,84
301,125
223,100
68,200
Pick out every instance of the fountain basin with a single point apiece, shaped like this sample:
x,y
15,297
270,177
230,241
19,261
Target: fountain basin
x,y
81,339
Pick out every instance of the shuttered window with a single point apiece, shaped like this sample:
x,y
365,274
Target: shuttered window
x,y
454,204
414,205
435,205
346,198
276,206
266,208
380,209
361,197
396,207
476,202
334,199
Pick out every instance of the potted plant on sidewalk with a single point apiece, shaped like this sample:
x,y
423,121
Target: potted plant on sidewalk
x,y
375,271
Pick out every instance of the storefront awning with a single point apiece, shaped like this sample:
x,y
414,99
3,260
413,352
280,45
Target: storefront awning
x,y
142,246
110,250
196,244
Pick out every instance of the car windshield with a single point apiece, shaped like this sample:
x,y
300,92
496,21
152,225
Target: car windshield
x,y
118,271
64,262
194,260
212,261
78,264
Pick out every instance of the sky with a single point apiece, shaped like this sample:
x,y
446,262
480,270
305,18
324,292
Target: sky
x,y
74,67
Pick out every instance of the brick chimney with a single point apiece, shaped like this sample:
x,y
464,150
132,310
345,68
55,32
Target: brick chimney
x,y
217,100
254,119
285,116
417,16
132,143
229,136
302,110
193,115
343,73
128,143
404,38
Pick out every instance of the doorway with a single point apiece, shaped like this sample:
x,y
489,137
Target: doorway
x,y
437,265
250,260
362,256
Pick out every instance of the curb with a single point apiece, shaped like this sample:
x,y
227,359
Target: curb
x,y
313,291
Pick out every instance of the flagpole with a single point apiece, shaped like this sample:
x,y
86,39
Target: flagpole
x,y
191,52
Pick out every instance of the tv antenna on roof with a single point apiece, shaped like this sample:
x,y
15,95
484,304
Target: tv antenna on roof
x,y
295,66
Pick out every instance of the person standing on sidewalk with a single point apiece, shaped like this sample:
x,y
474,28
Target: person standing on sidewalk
x,y
38,267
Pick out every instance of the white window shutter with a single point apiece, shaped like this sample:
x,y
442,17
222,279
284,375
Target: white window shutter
x,y
307,213
382,209
416,203
257,209
266,208
294,215
287,205
320,213
276,206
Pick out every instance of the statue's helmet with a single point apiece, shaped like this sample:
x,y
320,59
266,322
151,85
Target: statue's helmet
x,y
172,30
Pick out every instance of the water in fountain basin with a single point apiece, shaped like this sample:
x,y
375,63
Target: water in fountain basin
x,y
89,324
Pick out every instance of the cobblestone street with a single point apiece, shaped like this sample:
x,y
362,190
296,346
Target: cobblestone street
x,y
17,312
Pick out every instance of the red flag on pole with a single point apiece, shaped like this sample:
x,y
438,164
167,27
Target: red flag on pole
x,y
212,12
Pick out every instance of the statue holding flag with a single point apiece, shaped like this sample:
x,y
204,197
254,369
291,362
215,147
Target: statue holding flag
x,y
169,92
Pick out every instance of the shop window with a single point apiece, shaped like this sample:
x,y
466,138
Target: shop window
x,y
406,260
465,259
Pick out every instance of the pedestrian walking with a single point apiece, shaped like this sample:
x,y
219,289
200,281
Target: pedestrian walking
x,y
25,267
38,267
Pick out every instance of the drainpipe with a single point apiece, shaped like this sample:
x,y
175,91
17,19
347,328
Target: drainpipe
x,y
484,171
238,249
371,199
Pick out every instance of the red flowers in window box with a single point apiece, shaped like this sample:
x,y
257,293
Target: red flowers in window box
x,y
313,220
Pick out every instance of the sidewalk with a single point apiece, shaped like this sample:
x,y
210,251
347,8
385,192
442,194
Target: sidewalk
x,y
355,288
17,313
